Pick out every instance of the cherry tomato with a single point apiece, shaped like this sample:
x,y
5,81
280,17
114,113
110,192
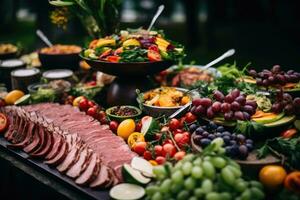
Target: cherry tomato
x,y
91,104
158,150
92,111
113,59
181,139
153,55
179,155
84,104
167,141
169,149
177,131
3,123
103,120
174,124
147,155
101,114
160,160
153,48
289,133
140,148
91,83
182,121
190,117
138,126
113,125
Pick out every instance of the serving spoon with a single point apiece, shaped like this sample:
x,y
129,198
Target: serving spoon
x,y
44,38
158,12
227,54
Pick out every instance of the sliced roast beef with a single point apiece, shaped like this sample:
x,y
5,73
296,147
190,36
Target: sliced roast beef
x,y
77,168
90,172
42,142
34,143
58,143
102,178
47,147
28,137
60,156
70,159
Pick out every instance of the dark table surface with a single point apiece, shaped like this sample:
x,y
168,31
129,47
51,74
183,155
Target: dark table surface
x,y
19,180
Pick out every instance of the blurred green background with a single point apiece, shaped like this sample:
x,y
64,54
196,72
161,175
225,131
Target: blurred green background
x,y
263,32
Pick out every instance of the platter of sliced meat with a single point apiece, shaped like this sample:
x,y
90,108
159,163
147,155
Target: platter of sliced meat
x,y
68,144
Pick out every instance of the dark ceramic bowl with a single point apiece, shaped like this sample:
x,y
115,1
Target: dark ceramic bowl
x,y
52,61
128,69
121,118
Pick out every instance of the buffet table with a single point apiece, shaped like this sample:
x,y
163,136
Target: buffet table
x,y
21,180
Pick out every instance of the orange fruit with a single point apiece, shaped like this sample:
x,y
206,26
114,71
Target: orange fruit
x,y
272,176
13,96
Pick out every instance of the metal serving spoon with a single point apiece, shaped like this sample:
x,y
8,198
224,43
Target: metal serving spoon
x,y
225,55
158,12
44,38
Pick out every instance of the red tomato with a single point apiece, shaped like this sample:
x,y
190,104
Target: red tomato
x,y
169,149
147,155
119,50
101,114
113,59
167,141
174,124
3,123
158,150
140,148
92,111
113,125
84,104
103,120
289,133
105,54
153,48
138,127
153,55
91,104
182,121
177,131
91,83
160,160
190,117
179,155
182,139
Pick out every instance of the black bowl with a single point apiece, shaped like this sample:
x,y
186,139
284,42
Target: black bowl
x,y
52,61
128,69
4,56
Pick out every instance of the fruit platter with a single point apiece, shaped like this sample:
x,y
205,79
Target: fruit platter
x,y
138,123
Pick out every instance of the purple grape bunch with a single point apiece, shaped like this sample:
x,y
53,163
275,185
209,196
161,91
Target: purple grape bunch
x,y
233,106
285,103
236,145
275,76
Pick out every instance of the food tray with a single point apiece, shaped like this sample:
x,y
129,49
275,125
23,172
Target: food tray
x,y
39,165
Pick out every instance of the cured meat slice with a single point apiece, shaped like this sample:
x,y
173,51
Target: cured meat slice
x,y
58,142
90,172
102,178
60,156
77,168
70,159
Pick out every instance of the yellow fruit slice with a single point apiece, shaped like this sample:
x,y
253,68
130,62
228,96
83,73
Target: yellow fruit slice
x,y
13,96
